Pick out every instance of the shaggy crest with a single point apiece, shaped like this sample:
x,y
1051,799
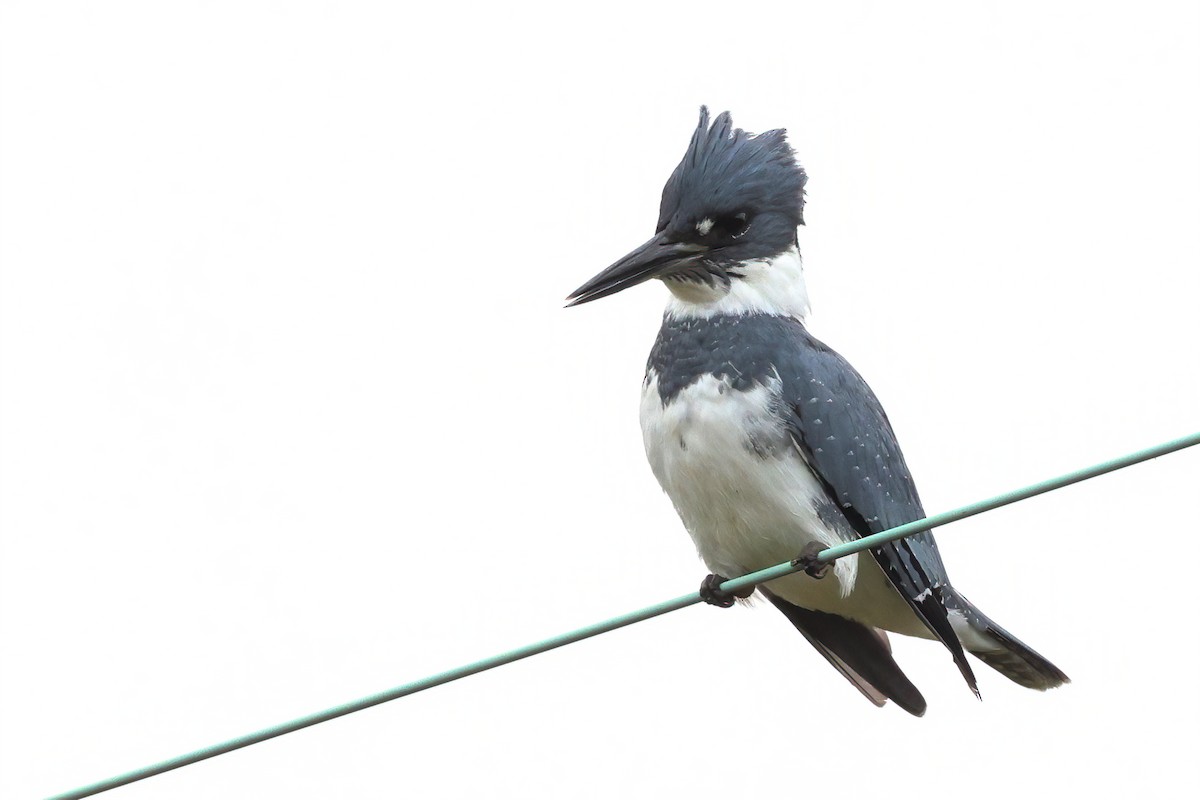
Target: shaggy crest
x,y
727,171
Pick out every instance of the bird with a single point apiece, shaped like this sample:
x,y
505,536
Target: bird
x,y
769,444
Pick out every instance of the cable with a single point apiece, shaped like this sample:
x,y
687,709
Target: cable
x,y
762,576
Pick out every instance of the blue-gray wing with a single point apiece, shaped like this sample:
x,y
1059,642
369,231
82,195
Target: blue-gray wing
x,y
845,437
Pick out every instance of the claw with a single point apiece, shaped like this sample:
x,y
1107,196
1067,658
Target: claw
x,y
808,561
711,592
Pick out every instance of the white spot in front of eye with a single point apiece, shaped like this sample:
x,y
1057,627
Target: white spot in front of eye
x,y
704,226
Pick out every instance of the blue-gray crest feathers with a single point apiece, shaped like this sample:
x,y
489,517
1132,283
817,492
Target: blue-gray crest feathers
x,y
727,170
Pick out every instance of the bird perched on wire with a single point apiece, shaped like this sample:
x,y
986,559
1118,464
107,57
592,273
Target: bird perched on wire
x,y
769,444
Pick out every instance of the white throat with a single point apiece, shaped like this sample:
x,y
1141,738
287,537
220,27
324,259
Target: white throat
x,y
767,286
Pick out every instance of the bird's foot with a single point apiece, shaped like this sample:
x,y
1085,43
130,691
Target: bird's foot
x,y
711,592
808,561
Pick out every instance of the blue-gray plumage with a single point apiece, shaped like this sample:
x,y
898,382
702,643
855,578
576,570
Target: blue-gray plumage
x,y
769,444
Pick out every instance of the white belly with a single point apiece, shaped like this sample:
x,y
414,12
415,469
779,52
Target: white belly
x,y
749,501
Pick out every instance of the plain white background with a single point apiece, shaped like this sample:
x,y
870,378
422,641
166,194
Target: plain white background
x,y
291,413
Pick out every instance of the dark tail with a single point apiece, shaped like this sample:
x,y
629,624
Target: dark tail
x,y
1005,653
860,653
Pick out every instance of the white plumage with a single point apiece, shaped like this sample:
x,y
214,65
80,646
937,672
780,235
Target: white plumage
x,y
745,511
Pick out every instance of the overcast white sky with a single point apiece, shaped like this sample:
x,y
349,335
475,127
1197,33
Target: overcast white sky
x,y
290,411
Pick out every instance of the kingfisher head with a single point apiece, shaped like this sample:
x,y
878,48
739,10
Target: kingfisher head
x,y
726,235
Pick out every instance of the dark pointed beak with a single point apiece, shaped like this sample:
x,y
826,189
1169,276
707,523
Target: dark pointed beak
x,y
655,258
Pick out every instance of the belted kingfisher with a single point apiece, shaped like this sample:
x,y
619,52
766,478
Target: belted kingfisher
x,y
769,444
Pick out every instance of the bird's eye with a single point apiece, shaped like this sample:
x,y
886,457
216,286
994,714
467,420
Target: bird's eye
x,y
731,226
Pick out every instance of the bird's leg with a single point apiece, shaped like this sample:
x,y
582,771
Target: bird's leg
x,y
711,592
808,561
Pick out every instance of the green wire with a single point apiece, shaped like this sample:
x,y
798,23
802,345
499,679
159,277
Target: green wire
x,y
746,581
